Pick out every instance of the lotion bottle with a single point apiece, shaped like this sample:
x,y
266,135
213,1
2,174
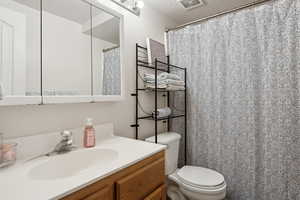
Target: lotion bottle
x,y
89,139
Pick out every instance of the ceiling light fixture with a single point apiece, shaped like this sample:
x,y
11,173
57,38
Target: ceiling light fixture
x,y
133,6
191,4
140,4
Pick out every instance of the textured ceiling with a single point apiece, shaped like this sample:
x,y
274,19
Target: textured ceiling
x,y
175,11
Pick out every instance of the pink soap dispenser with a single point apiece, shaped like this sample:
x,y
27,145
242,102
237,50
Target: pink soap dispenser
x,y
89,139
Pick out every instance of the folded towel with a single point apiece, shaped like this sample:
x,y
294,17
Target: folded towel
x,y
153,82
164,86
173,82
152,86
175,87
165,75
148,77
161,77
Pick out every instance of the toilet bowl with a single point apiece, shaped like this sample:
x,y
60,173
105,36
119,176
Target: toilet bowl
x,y
189,182
198,183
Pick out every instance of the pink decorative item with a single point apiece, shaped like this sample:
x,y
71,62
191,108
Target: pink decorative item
x,y
89,139
8,154
1,142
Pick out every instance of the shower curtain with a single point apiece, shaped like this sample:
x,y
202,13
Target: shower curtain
x,y
112,72
243,98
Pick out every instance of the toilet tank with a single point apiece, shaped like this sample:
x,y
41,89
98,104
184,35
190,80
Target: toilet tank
x,y
171,139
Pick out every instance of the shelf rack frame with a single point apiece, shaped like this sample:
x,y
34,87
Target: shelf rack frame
x,y
156,90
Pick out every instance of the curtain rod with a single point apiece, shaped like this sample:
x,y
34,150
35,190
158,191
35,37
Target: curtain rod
x,y
109,49
218,15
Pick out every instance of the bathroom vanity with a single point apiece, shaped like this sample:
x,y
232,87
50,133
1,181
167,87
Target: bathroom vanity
x,y
144,180
117,168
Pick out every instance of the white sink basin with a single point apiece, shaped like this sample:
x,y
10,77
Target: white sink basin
x,y
70,164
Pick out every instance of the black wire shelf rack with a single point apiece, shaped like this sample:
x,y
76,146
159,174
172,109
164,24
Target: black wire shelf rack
x,y
157,66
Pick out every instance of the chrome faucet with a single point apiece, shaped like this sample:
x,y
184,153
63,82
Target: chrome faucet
x,y
65,145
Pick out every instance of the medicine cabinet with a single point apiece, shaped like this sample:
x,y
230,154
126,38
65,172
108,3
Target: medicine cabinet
x,y
59,51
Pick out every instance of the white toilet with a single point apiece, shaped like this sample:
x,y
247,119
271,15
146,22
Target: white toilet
x,y
189,182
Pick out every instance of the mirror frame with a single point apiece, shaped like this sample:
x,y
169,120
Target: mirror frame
x,y
44,100
21,100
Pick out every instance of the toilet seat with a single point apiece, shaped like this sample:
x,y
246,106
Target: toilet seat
x,y
195,186
199,178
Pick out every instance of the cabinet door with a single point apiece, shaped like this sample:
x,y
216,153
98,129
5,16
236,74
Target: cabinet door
x,y
20,60
158,194
138,185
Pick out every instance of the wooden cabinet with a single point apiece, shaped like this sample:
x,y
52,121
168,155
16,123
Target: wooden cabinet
x,y
143,181
158,194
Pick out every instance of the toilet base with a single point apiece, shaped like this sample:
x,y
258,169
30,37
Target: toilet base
x,y
199,196
177,192
174,193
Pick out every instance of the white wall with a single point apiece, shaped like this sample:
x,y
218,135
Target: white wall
x,y
18,121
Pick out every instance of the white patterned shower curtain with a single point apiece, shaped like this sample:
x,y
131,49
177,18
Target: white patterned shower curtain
x,y
112,72
243,98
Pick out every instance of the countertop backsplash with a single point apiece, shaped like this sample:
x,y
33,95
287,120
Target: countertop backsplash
x,y
31,146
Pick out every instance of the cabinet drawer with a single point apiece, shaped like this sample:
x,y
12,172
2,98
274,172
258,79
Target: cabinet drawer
x,y
142,182
96,191
158,194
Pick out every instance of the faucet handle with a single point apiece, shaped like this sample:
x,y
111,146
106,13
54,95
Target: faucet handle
x,y
66,134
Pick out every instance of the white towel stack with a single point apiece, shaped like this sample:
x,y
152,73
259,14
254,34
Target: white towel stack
x,y
165,80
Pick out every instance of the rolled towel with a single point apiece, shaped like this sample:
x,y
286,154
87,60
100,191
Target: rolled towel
x,y
165,76
162,112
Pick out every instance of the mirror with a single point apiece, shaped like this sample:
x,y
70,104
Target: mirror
x,y
111,71
72,55
20,60
81,54
106,53
66,48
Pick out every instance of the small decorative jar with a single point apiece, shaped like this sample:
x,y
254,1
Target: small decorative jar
x,y
8,153
1,144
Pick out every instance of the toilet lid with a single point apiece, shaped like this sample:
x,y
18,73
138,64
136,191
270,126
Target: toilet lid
x,y
200,177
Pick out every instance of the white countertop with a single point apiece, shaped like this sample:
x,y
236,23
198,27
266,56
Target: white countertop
x,y
15,183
